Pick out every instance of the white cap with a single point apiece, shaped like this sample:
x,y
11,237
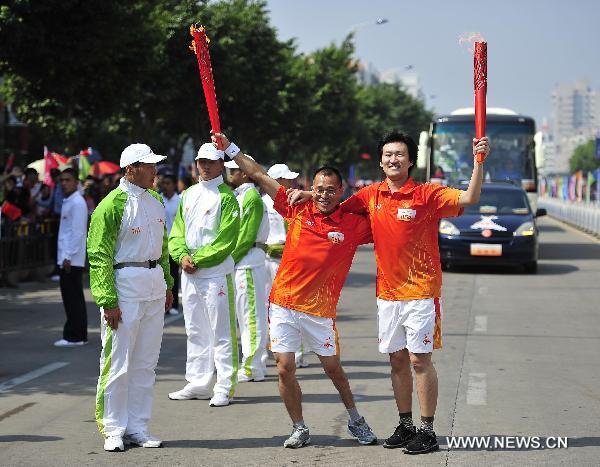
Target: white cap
x,y
139,152
282,171
208,151
233,165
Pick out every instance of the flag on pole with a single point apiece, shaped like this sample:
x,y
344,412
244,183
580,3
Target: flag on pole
x,y
590,182
84,167
49,164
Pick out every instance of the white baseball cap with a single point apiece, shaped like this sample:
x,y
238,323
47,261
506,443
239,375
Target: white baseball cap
x,y
208,151
233,165
282,171
139,152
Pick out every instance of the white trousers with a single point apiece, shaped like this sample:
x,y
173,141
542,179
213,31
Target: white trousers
x,y
251,309
209,312
272,265
129,356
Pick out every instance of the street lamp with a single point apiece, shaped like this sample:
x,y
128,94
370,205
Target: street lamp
x,y
377,22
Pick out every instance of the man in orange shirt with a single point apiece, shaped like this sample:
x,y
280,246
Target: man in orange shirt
x,y
320,244
404,219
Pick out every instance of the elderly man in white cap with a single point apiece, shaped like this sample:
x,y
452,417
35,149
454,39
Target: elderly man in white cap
x,y
277,234
130,281
202,239
250,276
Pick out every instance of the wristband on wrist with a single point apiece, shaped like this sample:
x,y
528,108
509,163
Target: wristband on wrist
x,y
232,150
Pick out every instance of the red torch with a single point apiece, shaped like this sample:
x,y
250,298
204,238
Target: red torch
x,y
480,81
200,46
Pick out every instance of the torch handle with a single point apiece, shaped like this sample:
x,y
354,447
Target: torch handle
x,y
480,118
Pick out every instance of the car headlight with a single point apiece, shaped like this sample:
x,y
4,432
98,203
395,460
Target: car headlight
x,y
448,228
526,229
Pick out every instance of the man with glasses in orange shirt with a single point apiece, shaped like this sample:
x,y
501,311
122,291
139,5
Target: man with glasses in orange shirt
x,y
319,247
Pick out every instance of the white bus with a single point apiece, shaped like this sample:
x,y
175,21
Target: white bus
x,y
445,152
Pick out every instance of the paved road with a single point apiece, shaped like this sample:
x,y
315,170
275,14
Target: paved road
x,y
521,357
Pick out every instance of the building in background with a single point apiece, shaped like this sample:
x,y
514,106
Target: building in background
x,y
575,120
407,78
367,74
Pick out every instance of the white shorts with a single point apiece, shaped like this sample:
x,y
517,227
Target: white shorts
x,y
411,324
289,328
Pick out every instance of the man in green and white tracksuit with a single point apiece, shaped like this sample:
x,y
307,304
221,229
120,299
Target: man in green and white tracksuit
x,y
250,276
276,239
203,236
130,281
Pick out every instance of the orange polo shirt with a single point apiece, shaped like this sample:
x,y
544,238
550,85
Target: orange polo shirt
x,y
317,256
405,230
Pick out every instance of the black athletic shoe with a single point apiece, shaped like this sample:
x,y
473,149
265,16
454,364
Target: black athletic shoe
x,y
400,438
422,443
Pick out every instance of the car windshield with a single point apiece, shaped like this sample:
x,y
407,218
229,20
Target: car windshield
x,y
499,201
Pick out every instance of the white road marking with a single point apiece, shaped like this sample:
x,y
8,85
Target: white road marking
x,y
477,389
483,290
11,383
480,324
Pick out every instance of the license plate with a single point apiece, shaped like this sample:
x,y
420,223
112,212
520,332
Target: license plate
x,y
486,249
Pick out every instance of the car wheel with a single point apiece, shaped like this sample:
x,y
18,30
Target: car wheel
x,y
531,268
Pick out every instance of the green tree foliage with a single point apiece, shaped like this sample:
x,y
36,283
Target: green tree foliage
x,y
383,108
72,68
584,157
108,73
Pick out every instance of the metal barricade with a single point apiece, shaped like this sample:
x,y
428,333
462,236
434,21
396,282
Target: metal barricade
x,y
584,216
28,245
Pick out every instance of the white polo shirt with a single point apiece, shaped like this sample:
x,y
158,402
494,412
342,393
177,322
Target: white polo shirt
x,y
72,231
171,205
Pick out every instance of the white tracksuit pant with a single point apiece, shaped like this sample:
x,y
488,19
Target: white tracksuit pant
x,y
251,308
272,265
209,312
129,356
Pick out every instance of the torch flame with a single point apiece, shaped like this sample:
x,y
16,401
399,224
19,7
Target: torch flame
x,y
470,38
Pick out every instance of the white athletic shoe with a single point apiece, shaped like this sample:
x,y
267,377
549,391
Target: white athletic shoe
x,y
220,400
187,393
300,437
173,312
301,363
144,440
66,343
114,444
242,377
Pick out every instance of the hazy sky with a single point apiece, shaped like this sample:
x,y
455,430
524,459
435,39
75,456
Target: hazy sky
x,y
532,44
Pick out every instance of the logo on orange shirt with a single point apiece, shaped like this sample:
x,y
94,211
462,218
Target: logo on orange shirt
x,y
406,214
335,237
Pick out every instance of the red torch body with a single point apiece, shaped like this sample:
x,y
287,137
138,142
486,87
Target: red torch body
x,y
480,82
200,47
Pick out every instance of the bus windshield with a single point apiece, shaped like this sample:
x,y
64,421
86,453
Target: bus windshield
x,y
512,155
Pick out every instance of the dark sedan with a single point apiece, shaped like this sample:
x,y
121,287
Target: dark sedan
x,y
500,230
